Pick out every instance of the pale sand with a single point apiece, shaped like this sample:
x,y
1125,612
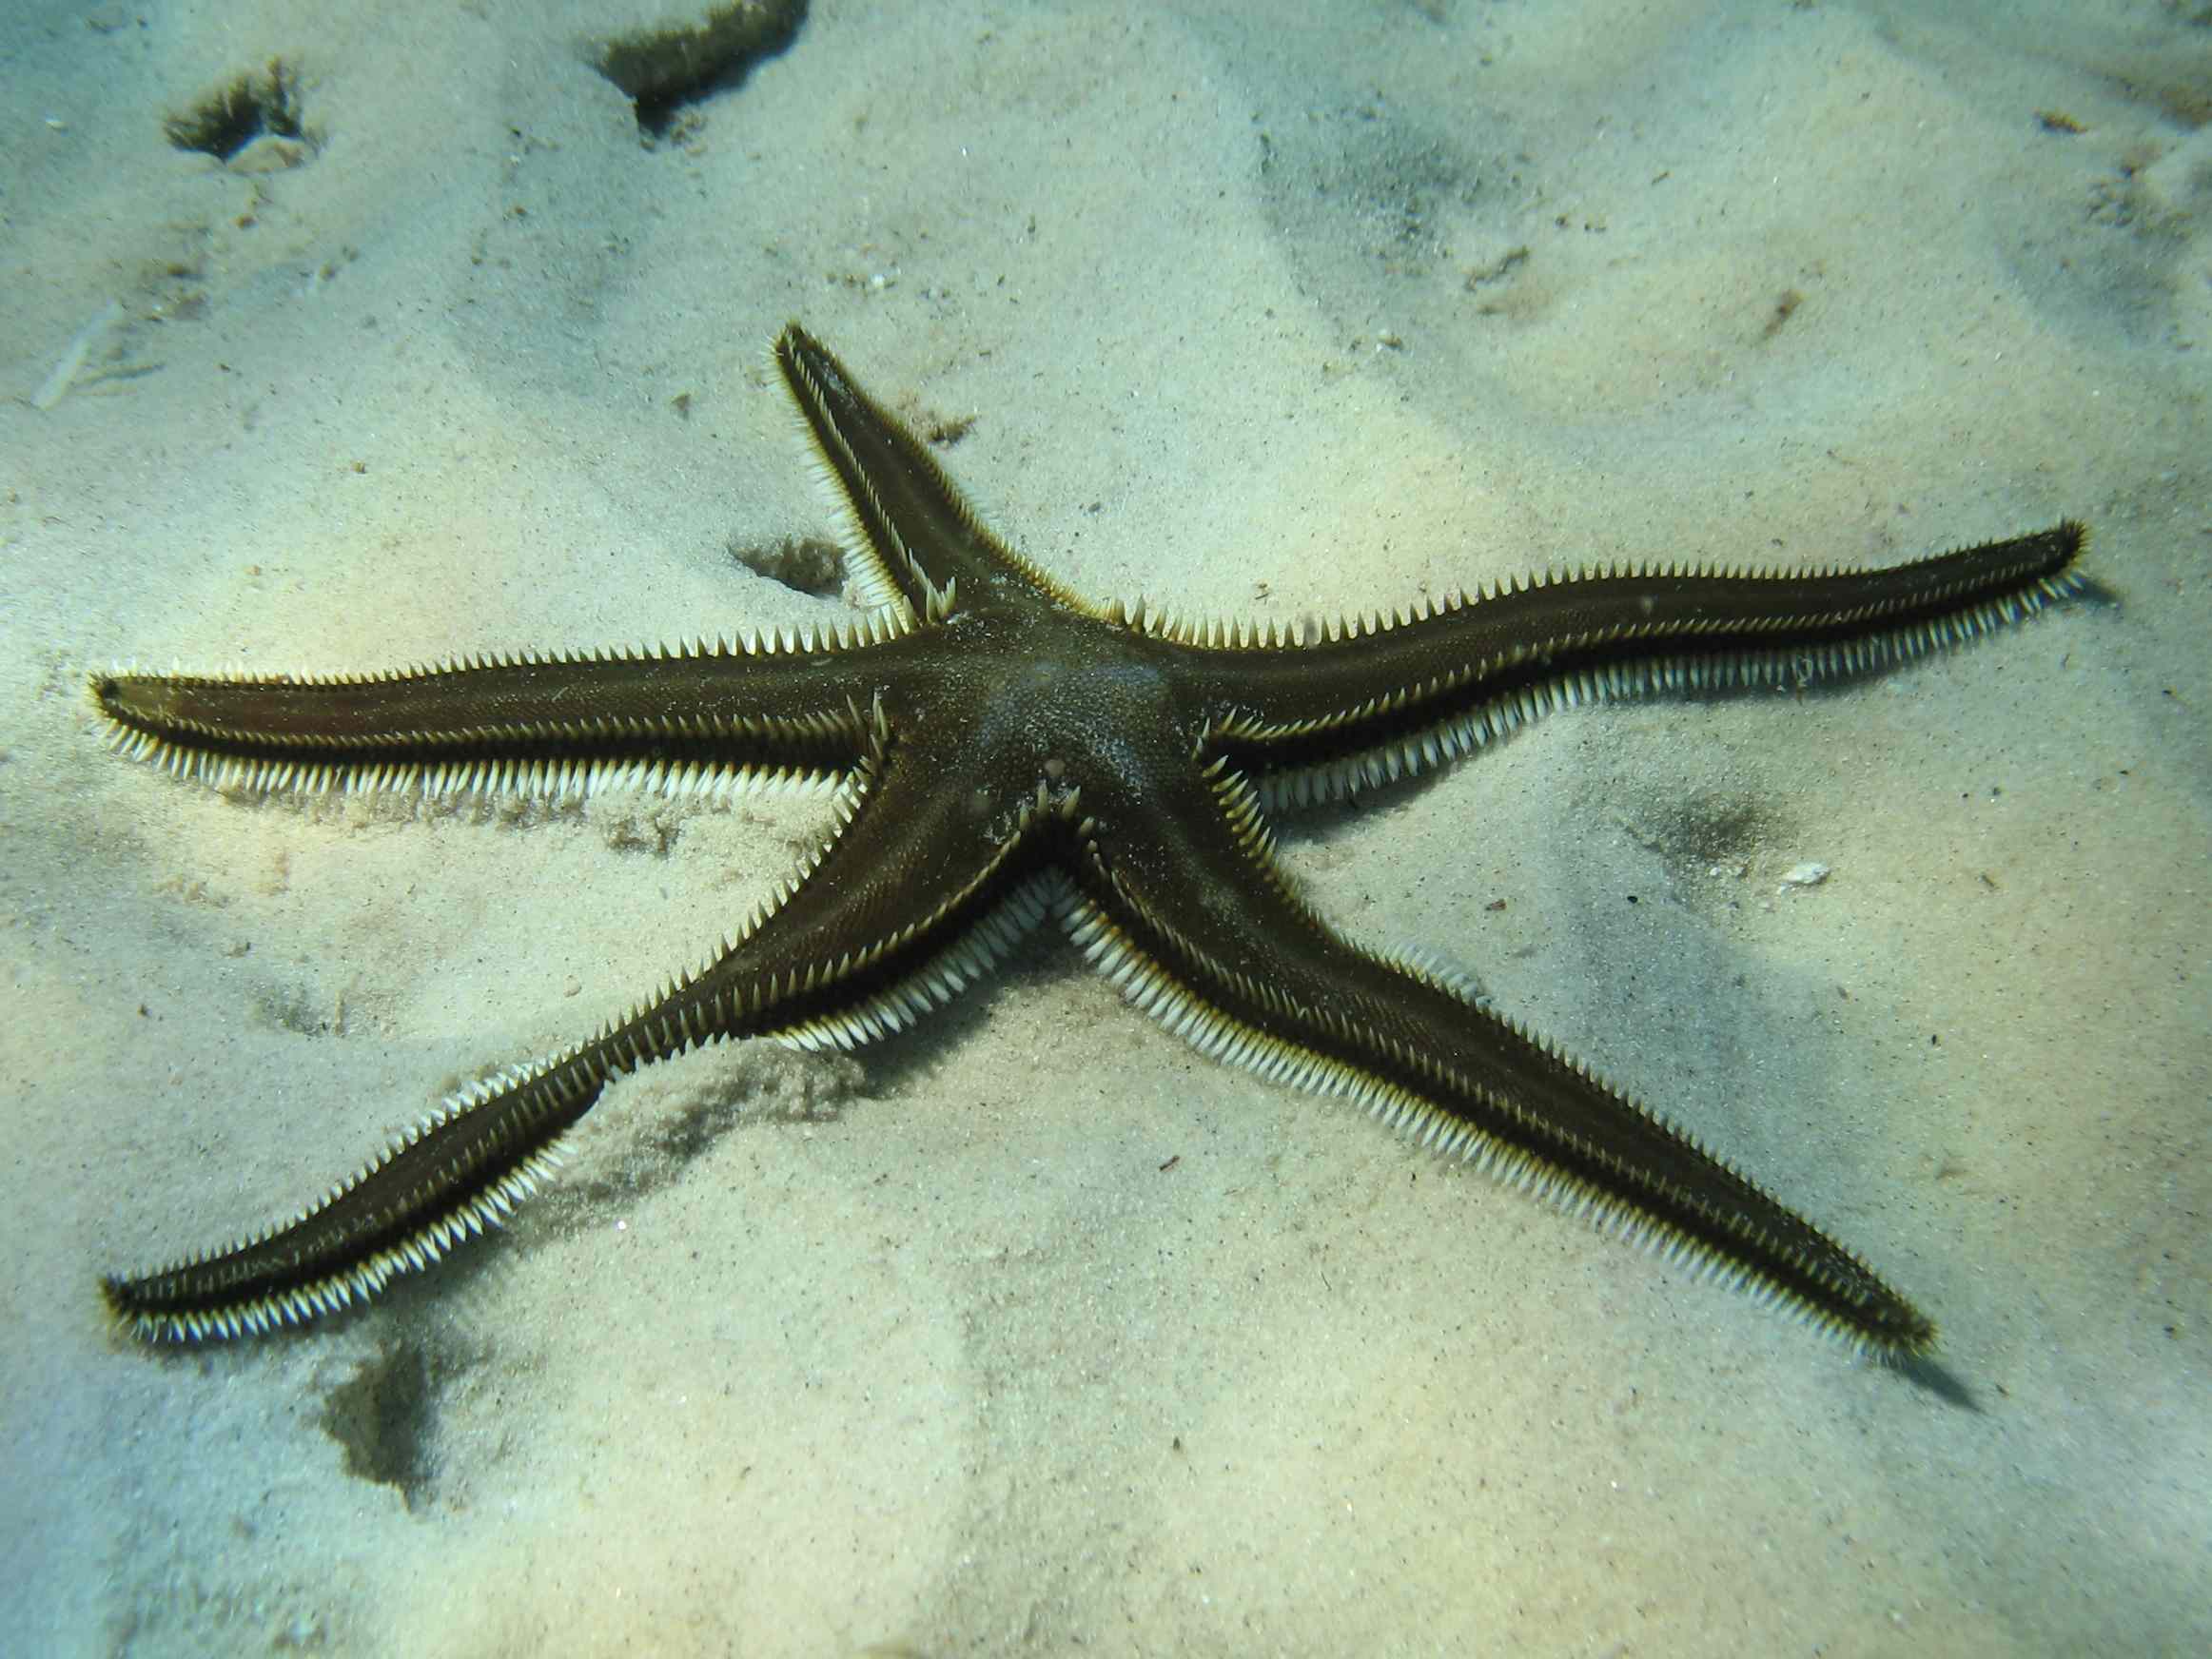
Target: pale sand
x,y
924,1351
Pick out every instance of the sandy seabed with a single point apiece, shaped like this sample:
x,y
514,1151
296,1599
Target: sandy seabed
x,y
926,1351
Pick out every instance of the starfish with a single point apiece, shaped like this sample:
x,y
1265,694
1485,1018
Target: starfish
x,y
1006,751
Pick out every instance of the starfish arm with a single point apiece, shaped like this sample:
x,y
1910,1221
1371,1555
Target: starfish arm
x,y
912,539
893,916
1193,918
1387,698
709,715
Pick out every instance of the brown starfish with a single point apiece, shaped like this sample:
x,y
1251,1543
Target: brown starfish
x,y
1010,752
